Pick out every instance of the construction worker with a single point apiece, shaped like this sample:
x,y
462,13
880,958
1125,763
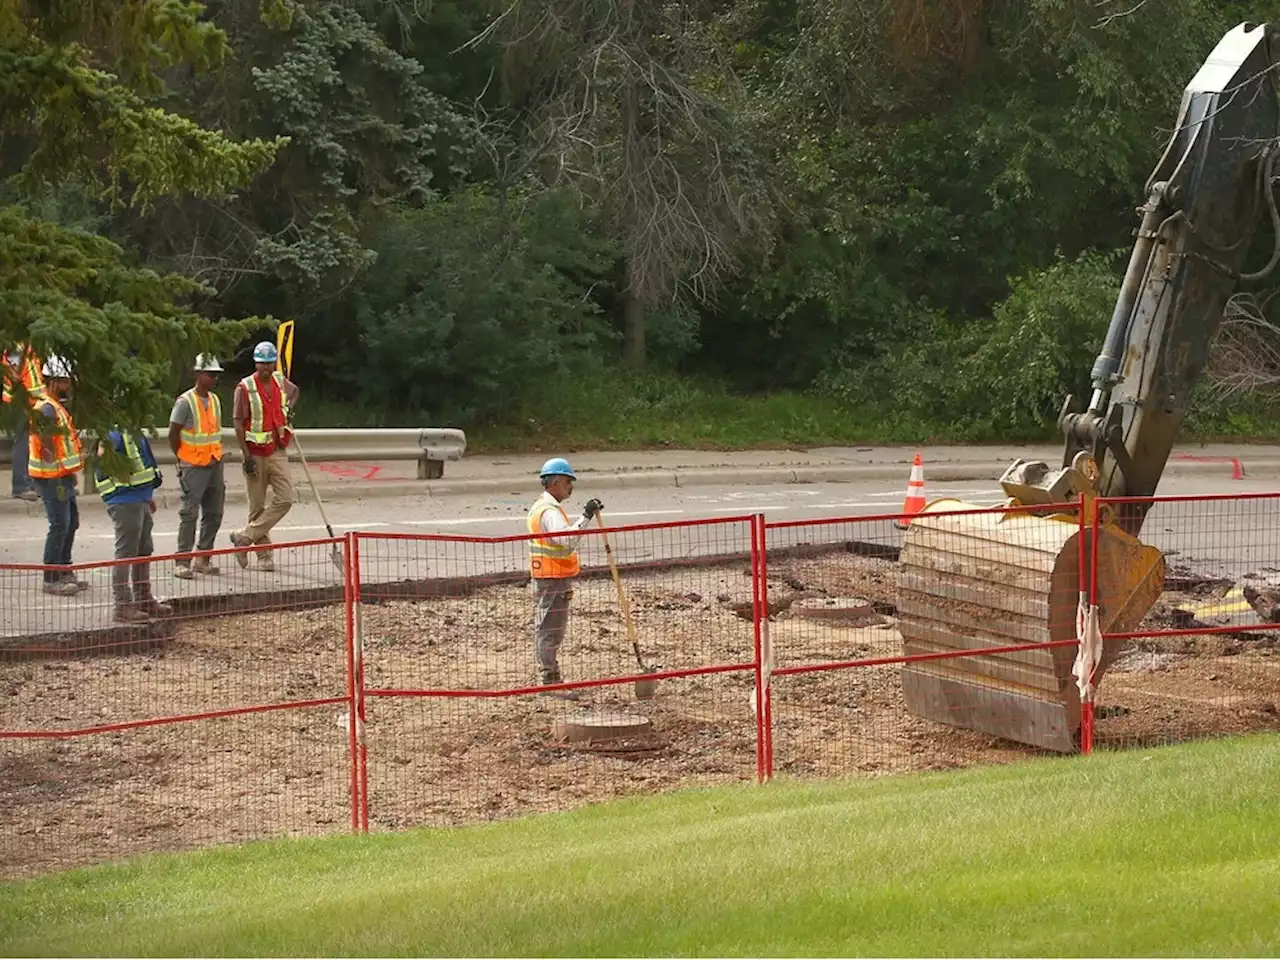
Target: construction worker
x,y
263,412
128,493
195,437
22,366
55,458
554,564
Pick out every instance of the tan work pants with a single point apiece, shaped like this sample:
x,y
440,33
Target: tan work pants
x,y
271,475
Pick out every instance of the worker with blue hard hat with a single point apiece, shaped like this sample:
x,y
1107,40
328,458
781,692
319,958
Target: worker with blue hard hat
x,y
263,417
554,564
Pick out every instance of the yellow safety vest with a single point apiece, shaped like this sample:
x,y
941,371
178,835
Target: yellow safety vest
x,y
140,475
257,432
202,444
68,458
550,559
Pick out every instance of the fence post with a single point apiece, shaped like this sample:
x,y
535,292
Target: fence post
x,y
1086,708
348,604
763,651
357,646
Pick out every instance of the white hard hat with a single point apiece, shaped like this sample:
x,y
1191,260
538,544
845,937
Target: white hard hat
x,y
56,366
207,363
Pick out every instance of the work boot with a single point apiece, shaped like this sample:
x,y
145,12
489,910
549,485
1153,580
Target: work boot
x,y
205,566
61,588
72,578
265,563
154,608
241,558
131,613
146,601
550,677
183,571
28,495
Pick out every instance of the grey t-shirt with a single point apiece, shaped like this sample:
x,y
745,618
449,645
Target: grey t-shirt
x,y
182,414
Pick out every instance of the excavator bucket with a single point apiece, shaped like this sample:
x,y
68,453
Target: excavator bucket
x,y
974,581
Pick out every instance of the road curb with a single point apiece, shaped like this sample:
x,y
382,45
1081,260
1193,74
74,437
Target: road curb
x,y
955,472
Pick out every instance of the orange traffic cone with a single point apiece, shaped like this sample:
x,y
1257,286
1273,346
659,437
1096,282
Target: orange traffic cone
x,y
914,501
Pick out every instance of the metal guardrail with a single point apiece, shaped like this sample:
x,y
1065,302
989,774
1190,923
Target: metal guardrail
x,y
429,446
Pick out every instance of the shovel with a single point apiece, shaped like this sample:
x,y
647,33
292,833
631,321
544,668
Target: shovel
x,y
336,555
645,689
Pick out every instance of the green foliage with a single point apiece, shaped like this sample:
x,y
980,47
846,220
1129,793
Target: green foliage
x,y
1003,379
469,309
82,124
362,129
1040,346
459,200
76,294
79,132
963,144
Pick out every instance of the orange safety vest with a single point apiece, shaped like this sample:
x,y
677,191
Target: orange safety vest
x,y
550,559
68,457
202,444
30,374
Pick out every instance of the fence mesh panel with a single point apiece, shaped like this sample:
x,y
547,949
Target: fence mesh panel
x,y
231,717
454,618
846,594
117,782
1208,663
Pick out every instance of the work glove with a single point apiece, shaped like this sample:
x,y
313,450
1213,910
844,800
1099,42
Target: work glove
x,y
250,468
592,508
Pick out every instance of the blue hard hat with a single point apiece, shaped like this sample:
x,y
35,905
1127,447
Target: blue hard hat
x,y
265,352
557,467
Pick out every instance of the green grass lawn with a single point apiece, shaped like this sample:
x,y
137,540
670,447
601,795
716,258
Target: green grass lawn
x,y
1164,852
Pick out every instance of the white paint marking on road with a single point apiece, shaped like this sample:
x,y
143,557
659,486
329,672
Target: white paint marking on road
x,y
644,513
751,495
456,521
949,493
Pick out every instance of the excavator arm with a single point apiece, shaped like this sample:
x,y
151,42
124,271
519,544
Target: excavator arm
x,y
1204,201
972,581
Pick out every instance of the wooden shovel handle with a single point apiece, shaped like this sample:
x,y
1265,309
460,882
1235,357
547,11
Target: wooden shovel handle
x,y
622,596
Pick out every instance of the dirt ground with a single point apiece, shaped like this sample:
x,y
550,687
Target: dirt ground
x,y
450,760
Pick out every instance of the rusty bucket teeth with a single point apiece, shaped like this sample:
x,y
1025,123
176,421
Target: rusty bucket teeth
x,y
980,580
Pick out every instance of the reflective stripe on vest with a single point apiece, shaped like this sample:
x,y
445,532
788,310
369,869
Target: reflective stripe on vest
x,y
140,475
550,559
257,432
202,444
31,378
65,441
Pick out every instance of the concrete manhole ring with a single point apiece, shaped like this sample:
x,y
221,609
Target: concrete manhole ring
x,y
594,726
844,609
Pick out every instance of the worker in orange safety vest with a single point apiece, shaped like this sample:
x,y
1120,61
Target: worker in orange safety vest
x,y
56,457
22,366
195,437
554,564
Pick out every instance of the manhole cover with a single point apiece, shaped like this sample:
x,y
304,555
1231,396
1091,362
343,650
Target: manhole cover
x,y
594,726
853,610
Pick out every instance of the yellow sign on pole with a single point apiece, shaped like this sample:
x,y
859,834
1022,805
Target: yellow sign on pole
x,y
284,348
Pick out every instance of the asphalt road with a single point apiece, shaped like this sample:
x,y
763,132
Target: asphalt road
x,y
1228,537
22,537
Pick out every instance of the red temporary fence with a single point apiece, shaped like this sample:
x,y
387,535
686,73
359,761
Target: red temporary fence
x,y
398,686
218,723
457,727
